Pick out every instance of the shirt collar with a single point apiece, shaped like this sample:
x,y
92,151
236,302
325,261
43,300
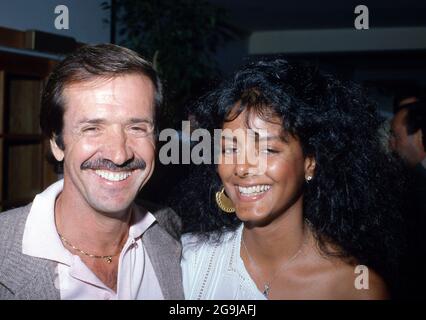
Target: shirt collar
x,y
424,163
41,238
142,219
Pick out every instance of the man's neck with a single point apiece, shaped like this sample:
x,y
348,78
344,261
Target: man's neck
x,y
88,229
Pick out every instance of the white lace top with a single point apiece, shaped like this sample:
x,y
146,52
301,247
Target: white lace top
x,y
216,271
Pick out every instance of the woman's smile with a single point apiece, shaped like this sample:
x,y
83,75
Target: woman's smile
x,y
252,192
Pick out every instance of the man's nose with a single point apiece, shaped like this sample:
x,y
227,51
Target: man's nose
x,y
118,149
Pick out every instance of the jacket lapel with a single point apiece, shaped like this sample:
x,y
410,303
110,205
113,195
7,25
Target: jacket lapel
x,y
24,276
30,278
165,253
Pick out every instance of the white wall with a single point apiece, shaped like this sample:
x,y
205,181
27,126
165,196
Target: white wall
x,y
337,40
85,18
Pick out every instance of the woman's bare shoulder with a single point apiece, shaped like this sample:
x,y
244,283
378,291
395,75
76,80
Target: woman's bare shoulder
x,y
348,281
344,278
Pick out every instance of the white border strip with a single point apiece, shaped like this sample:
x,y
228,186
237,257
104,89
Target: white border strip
x,y
337,40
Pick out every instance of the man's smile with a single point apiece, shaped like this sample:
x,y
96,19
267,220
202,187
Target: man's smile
x,y
113,175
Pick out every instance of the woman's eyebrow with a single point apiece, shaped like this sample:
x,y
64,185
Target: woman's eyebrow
x,y
268,138
229,137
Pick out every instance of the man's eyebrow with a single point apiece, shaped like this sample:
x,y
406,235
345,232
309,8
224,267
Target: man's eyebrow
x,y
91,121
102,120
141,120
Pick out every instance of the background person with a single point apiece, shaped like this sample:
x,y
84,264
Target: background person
x,y
408,140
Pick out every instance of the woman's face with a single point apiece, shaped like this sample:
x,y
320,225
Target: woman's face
x,y
263,189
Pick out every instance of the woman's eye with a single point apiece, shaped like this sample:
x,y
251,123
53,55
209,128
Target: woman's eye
x,y
270,150
229,150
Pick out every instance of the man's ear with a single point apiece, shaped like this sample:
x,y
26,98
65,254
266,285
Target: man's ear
x,y
310,164
58,153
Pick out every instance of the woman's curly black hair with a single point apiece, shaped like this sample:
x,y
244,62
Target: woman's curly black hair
x,y
352,201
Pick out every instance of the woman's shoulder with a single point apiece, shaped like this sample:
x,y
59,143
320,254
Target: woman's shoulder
x,y
358,282
205,260
344,277
196,243
345,280
201,250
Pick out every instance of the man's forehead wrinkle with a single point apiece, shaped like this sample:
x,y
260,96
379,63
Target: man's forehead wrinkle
x,y
105,92
90,84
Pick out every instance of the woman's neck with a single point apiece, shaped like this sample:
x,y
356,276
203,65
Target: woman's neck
x,y
278,241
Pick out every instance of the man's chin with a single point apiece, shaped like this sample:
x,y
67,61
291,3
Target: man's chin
x,y
112,209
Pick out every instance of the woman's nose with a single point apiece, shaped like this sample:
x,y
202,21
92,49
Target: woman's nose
x,y
244,170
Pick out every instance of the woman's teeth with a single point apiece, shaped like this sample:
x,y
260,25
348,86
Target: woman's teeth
x,y
113,176
254,190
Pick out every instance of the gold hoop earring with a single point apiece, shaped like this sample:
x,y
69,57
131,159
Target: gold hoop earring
x,y
223,202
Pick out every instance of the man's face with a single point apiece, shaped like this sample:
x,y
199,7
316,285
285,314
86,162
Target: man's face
x,y
109,142
400,141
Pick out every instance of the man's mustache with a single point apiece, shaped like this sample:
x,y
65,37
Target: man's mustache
x,y
102,164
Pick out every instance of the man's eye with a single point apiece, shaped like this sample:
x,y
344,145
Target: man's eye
x,y
90,129
140,129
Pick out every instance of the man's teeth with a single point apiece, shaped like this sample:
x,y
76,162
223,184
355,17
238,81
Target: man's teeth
x,y
254,190
113,176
